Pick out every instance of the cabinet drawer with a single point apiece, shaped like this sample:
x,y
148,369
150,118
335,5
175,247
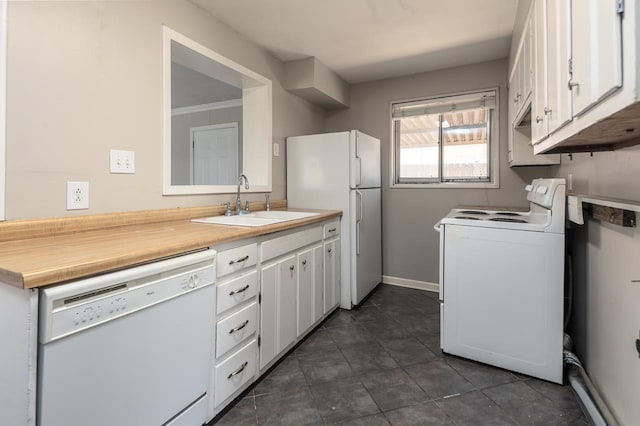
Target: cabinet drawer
x,y
236,328
235,372
288,243
236,291
331,229
236,259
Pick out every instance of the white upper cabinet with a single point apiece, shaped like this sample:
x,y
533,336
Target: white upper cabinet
x,y
597,51
521,99
558,108
585,94
539,127
551,105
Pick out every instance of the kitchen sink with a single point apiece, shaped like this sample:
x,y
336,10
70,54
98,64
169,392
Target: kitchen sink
x,y
256,219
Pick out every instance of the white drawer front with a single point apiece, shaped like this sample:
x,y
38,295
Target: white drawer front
x,y
236,259
236,291
331,229
288,243
235,372
236,328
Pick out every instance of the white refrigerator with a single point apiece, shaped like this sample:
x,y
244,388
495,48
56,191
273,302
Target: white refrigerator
x,y
341,171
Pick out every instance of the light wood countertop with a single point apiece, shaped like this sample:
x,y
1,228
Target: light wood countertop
x,y
81,252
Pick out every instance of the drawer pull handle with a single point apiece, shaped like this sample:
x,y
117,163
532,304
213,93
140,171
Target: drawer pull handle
x,y
238,328
242,259
240,290
292,267
304,263
239,370
333,229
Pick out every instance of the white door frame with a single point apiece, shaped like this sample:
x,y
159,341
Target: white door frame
x,y
192,130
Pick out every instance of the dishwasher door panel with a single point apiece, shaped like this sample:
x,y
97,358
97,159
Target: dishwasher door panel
x,y
140,369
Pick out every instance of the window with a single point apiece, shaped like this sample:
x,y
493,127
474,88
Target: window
x,y
446,140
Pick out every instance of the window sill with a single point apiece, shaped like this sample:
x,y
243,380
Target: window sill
x,y
446,185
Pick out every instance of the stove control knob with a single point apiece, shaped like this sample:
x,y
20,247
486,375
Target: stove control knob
x,y
528,188
541,190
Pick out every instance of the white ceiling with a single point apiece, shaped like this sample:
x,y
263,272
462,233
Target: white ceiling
x,y
365,40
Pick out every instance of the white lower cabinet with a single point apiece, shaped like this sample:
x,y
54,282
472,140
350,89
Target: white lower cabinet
x,y
234,355
298,287
267,306
318,283
278,316
235,371
268,314
236,328
287,303
331,274
309,288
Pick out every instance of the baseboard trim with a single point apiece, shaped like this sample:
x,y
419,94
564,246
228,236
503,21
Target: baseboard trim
x,y
418,285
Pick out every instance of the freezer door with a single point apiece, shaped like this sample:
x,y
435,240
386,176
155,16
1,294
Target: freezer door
x,y
366,242
365,160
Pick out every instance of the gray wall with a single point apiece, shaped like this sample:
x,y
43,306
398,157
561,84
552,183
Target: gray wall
x,y
410,248
606,309
86,77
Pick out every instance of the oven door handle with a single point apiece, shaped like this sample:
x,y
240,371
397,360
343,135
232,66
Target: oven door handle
x,y
436,227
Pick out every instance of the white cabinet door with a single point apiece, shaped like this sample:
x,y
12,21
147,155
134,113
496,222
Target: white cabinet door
x,y
515,88
335,270
287,283
558,112
318,282
330,256
268,310
539,129
331,274
305,291
525,64
597,51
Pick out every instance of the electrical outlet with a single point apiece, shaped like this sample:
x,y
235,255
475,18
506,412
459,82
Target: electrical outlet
x,y
77,195
122,161
276,149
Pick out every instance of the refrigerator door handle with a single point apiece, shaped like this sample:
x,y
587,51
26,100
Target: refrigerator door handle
x,y
358,165
358,220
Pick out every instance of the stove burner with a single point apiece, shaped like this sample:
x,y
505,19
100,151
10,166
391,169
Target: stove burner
x,y
507,219
467,217
472,212
508,214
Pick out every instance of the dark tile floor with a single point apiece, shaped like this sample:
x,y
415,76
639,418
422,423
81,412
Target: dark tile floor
x,y
382,365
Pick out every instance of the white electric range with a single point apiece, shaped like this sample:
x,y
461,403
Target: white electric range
x,y
502,283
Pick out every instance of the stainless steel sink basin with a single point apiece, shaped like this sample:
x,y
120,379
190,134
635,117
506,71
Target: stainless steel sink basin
x,y
256,219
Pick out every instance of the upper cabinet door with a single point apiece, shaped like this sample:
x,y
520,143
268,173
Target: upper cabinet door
x,y
525,64
539,129
558,111
597,51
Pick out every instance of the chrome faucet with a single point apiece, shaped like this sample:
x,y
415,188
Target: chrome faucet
x,y
238,201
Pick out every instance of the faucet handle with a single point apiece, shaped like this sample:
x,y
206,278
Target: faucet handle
x,y
267,202
228,205
246,206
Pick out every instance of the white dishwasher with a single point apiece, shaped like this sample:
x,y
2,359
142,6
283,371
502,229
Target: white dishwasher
x,y
131,347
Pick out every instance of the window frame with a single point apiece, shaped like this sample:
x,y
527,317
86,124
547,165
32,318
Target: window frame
x,y
493,135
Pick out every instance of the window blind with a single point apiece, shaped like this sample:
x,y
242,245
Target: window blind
x,y
443,105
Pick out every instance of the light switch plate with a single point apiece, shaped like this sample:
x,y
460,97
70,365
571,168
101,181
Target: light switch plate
x,y
77,195
276,149
122,161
